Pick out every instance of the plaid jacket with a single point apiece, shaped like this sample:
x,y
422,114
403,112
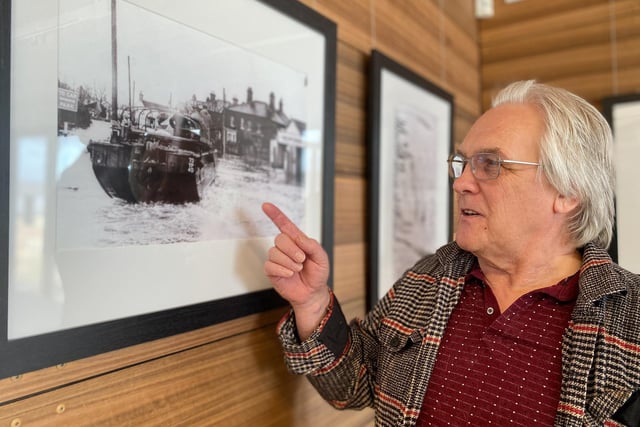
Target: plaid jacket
x,y
385,359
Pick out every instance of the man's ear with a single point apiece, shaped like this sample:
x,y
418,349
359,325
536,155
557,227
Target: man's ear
x,y
565,204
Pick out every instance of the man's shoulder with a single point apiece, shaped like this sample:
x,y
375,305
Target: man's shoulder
x,y
630,281
601,276
448,259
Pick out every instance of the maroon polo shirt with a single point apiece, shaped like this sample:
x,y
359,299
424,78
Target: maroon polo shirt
x,y
498,368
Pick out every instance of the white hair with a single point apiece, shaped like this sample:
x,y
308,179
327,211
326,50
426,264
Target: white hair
x,y
575,154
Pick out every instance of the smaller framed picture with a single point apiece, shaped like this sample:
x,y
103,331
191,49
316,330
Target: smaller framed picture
x,y
623,114
410,135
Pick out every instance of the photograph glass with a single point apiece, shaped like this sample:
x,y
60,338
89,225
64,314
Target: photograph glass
x,y
411,137
143,138
623,114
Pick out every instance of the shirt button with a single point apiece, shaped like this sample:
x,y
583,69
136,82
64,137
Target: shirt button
x,y
490,311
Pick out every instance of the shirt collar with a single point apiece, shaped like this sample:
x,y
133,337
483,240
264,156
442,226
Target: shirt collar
x,y
566,290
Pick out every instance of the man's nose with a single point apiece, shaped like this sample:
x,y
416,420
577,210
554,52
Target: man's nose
x,y
466,181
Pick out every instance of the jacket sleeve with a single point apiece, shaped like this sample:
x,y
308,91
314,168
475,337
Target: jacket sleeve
x,y
339,359
326,343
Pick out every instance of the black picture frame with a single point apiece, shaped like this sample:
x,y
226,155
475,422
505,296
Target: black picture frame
x,y
40,350
626,173
405,108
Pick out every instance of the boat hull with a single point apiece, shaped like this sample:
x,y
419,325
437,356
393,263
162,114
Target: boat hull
x,y
155,170
110,164
170,172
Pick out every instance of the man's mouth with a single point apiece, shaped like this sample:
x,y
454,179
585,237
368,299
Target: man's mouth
x,y
469,212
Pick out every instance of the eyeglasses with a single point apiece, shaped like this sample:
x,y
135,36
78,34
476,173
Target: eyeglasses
x,y
484,166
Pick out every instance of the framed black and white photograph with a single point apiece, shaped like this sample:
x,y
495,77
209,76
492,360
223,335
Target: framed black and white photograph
x,y
410,136
139,140
623,114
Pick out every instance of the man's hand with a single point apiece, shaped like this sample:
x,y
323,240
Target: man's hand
x,y
298,267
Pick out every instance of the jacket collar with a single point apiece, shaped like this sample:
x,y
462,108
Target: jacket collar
x,y
599,275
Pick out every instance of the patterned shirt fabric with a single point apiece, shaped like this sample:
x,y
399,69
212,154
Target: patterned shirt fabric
x,y
521,347
386,359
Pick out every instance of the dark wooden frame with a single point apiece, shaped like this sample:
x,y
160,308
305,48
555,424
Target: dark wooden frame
x,y
379,63
35,352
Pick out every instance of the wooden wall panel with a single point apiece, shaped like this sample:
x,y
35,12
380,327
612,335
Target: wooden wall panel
x,y
349,271
232,374
461,13
589,47
428,41
16,388
582,27
351,105
350,218
354,19
395,35
236,382
513,13
461,124
566,62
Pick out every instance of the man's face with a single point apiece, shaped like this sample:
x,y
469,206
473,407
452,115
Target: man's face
x,y
512,214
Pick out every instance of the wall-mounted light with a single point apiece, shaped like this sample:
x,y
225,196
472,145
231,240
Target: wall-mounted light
x,y
484,9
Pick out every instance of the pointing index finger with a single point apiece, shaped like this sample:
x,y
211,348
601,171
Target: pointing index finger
x,y
283,222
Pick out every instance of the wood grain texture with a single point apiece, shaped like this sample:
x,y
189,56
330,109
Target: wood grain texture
x,y
351,106
353,18
428,42
583,27
592,49
511,13
350,275
350,205
462,15
240,381
31,383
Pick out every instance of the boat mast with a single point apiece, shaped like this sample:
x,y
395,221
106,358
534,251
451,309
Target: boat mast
x,y
114,63
129,76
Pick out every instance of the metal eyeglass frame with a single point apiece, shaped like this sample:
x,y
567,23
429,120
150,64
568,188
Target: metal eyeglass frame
x,y
473,160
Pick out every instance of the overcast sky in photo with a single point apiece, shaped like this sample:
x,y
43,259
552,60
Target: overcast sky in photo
x,y
169,59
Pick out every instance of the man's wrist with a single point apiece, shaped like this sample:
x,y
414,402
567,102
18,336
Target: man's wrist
x,y
309,317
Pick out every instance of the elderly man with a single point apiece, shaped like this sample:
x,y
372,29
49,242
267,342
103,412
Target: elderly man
x,y
523,320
